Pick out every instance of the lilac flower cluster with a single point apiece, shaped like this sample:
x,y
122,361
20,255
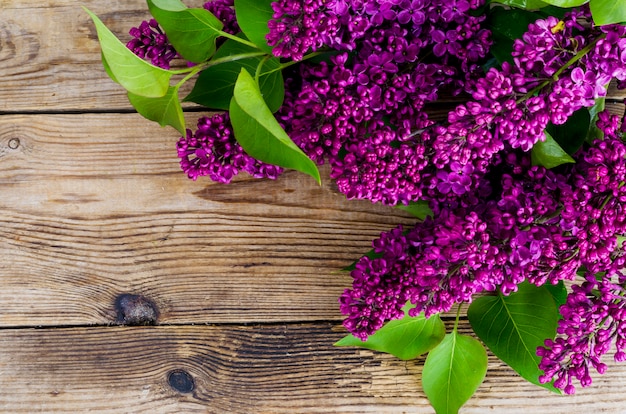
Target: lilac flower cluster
x,y
149,42
535,225
298,27
397,64
213,151
559,67
508,237
225,12
594,315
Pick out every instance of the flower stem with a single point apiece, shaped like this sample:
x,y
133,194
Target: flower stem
x,y
458,316
257,74
238,39
556,74
201,66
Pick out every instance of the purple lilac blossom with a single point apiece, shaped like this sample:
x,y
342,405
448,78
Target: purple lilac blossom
x,y
225,12
536,225
512,106
594,315
150,42
503,240
299,27
382,81
213,151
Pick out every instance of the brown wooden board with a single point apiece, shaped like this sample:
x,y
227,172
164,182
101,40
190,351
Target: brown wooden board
x,y
290,368
95,206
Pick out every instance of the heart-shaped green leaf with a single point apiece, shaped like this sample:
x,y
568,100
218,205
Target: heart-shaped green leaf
x,y
558,292
608,11
514,326
165,110
133,73
260,134
594,132
507,25
405,338
566,3
453,371
419,209
192,32
571,135
549,153
215,85
523,4
252,17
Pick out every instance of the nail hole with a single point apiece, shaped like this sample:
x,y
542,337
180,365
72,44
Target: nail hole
x,y
181,381
14,143
135,310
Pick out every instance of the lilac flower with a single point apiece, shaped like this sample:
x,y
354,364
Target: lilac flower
x,y
412,12
591,322
149,42
225,12
445,42
380,11
299,27
212,150
589,84
454,10
457,181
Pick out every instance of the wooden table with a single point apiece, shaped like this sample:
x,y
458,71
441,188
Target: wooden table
x,y
242,279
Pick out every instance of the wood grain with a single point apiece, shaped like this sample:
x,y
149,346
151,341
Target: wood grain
x,y
287,369
50,56
95,205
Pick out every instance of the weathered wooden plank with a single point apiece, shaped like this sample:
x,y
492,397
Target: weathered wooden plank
x,y
50,56
261,369
95,206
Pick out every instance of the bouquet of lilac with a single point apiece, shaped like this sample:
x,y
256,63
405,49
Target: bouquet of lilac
x,y
520,189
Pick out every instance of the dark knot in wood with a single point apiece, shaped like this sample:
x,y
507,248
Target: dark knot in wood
x,y
181,381
14,143
135,310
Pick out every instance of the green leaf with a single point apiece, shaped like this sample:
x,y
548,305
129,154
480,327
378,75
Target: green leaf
x,y
572,134
165,110
419,209
549,154
252,17
371,254
507,25
405,338
555,11
523,4
126,68
192,32
260,134
558,292
453,371
215,85
608,11
594,132
514,326
107,68
566,3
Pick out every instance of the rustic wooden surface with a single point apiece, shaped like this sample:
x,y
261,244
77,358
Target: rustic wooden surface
x,y
245,277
